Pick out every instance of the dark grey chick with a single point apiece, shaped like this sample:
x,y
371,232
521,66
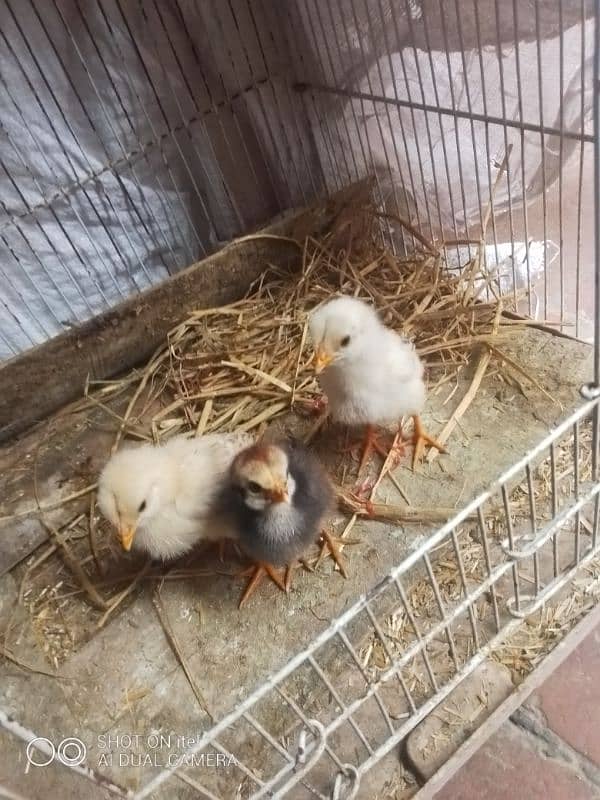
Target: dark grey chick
x,y
278,495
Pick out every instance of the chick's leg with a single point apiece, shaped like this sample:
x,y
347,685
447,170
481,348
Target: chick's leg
x,y
257,572
421,439
290,570
329,542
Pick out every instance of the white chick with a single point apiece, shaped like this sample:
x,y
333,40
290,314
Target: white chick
x,y
160,498
369,373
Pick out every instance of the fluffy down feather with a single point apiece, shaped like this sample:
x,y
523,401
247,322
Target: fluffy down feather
x,y
161,498
279,495
370,374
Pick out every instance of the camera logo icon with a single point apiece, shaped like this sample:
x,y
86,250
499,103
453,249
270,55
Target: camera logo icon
x,y
70,751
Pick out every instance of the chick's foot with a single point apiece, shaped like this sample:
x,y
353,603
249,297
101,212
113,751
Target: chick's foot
x,y
421,439
369,443
331,544
257,572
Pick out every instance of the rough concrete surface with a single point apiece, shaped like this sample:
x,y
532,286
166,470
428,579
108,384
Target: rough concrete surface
x,y
550,747
442,732
125,679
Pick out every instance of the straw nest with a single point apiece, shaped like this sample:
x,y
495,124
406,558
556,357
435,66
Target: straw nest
x,y
241,365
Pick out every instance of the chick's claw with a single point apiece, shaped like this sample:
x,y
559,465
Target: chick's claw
x,y
330,543
369,443
257,573
421,439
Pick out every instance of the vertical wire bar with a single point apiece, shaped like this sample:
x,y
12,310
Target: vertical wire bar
x,y
408,14
43,267
596,99
369,162
554,490
440,121
275,184
400,122
463,577
561,111
305,720
163,193
185,122
582,112
283,128
576,454
488,565
187,127
257,90
157,136
16,318
14,349
386,108
332,690
68,272
390,655
367,75
298,71
44,233
487,130
328,142
208,217
497,4
365,116
208,89
276,41
522,143
338,78
267,736
469,108
442,609
416,629
35,317
25,272
92,126
511,544
454,106
538,39
361,669
533,520
59,108
93,277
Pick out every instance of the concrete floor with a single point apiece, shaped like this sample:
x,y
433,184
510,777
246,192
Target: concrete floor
x,y
550,747
125,679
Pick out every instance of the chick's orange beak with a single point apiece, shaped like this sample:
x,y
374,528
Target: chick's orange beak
x,y
126,534
279,495
322,359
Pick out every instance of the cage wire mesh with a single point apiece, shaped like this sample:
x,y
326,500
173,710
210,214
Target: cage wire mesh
x,y
139,137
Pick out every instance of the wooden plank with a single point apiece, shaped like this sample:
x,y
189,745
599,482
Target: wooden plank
x,y
47,377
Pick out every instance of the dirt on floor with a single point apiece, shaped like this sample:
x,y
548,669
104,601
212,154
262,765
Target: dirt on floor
x,y
73,670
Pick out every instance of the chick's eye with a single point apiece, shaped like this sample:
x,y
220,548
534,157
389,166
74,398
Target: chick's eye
x,y
254,487
345,341
142,506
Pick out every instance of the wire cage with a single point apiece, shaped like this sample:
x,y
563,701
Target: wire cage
x,y
140,137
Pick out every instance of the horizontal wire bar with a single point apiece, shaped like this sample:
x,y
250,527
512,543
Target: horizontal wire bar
x,y
11,726
449,112
468,669
133,156
345,618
